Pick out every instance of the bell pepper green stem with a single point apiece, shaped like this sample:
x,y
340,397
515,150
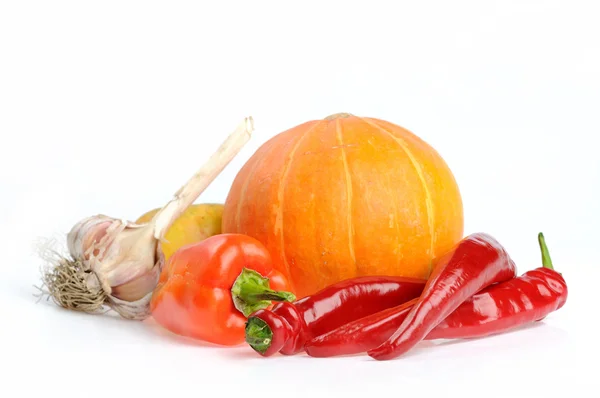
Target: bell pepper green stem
x,y
546,260
251,292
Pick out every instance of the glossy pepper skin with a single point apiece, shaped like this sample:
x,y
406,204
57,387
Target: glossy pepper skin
x,y
505,306
496,309
475,263
360,335
207,289
528,298
287,326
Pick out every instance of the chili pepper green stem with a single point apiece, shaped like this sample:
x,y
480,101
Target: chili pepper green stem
x,y
258,335
546,261
251,292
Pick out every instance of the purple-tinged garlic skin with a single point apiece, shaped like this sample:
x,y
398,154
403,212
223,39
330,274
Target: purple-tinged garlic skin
x,y
87,233
124,258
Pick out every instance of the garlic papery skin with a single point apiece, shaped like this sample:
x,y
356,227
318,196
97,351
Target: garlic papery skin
x,y
116,263
124,260
110,263
80,240
126,250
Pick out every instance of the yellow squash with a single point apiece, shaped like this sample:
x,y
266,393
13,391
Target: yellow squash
x,y
198,222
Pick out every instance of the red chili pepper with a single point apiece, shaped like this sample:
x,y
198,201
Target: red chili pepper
x,y
360,335
508,305
496,309
476,262
287,326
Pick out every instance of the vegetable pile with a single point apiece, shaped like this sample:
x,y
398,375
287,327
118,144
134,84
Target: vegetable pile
x,y
221,285
474,292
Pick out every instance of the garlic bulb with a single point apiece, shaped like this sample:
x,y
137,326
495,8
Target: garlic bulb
x,y
116,263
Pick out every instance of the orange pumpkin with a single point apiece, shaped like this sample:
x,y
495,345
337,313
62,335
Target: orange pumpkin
x,y
346,196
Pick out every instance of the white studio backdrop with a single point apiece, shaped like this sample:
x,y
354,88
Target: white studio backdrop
x,y
108,107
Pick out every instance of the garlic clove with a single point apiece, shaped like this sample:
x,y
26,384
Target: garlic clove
x,y
138,287
131,253
86,235
135,310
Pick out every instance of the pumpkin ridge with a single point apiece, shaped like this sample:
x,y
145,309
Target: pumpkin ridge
x,y
349,193
395,206
278,225
428,200
249,177
243,193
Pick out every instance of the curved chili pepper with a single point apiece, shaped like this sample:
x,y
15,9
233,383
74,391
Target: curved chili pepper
x,y
476,262
508,305
287,326
496,309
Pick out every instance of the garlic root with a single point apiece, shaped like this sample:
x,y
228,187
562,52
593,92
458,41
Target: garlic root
x,y
66,284
116,263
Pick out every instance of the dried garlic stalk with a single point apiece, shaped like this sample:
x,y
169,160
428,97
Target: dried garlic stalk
x,y
116,263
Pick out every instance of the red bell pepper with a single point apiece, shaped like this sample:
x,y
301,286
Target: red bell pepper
x,y
207,289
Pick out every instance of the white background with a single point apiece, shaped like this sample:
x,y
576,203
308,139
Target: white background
x,y
108,107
